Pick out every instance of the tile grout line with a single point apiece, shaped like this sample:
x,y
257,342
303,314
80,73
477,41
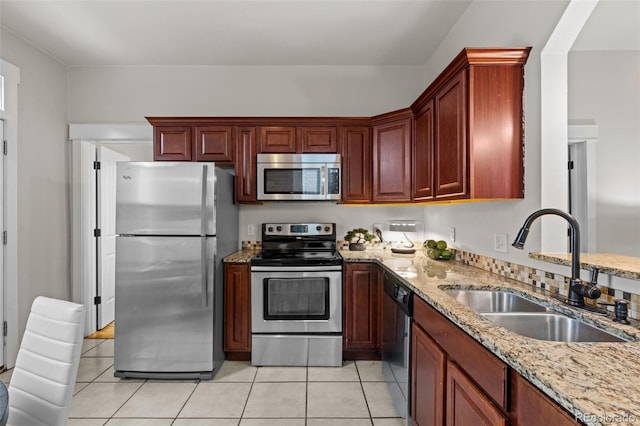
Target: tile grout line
x,y
364,395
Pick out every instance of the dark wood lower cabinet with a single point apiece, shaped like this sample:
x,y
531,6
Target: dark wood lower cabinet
x,y
530,407
456,381
428,363
361,310
467,404
237,311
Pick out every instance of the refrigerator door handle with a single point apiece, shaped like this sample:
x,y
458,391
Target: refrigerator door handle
x,y
203,201
203,239
204,270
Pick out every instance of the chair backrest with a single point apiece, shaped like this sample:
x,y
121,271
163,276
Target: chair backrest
x,y
43,379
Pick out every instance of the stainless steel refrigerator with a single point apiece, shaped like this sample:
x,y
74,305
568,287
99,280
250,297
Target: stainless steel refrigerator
x,y
175,222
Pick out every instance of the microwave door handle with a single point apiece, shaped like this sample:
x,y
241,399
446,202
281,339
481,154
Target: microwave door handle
x,y
323,180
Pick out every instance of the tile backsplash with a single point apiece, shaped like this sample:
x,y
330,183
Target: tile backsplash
x,y
552,282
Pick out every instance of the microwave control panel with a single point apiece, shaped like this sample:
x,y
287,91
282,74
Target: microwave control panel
x,y
333,181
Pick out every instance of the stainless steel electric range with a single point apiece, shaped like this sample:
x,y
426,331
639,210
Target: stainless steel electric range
x,y
296,296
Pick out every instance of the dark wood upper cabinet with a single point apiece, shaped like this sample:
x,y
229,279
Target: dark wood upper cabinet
x,y
321,139
278,139
245,165
422,144
356,151
215,143
450,145
392,157
172,143
477,129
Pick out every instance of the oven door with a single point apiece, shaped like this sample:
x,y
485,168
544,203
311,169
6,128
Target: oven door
x,y
296,299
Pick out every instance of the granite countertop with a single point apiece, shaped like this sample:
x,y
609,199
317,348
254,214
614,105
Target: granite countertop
x,y
597,382
241,256
609,263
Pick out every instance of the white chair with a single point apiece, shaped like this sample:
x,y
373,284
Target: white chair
x,y
43,379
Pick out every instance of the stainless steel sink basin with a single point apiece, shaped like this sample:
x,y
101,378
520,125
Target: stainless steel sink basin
x,y
551,326
482,301
528,318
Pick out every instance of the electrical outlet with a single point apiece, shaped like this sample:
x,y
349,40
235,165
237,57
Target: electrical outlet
x,y
452,234
251,229
500,242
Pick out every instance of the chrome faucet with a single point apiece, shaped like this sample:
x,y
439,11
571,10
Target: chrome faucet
x,y
578,289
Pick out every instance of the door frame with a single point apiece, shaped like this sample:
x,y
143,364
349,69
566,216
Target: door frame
x,y
12,77
582,139
84,139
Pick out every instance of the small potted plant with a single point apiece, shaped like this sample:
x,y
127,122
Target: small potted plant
x,y
357,238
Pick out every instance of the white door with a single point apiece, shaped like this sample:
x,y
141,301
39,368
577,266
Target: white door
x,y
106,242
2,243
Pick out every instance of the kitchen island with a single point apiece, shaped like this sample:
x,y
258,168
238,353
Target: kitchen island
x,y
596,382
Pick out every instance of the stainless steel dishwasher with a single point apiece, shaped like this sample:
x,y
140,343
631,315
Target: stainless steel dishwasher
x,y
397,310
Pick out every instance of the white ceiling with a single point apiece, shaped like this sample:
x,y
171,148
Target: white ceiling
x,y
233,32
266,32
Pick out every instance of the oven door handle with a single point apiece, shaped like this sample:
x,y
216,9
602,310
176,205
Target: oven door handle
x,y
336,268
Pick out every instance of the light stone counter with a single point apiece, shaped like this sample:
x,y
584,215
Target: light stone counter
x,y
598,382
241,256
609,263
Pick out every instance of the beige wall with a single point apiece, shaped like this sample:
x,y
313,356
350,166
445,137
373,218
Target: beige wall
x,y
604,89
43,199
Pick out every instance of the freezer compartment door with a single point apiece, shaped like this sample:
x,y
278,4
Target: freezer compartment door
x,y
164,307
165,198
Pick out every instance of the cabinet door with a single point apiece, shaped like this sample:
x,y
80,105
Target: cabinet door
x,y
451,156
423,153
319,139
428,363
245,166
237,307
215,143
530,407
392,161
356,150
278,139
361,298
172,143
466,404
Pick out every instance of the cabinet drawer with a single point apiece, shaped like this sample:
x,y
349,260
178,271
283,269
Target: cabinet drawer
x,y
482,366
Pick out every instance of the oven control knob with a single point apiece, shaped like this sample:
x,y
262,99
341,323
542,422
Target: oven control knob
x,y
327,229
318,228
278,228
270,229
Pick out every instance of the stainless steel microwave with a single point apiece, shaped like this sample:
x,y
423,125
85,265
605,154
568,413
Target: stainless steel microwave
x,y
300,177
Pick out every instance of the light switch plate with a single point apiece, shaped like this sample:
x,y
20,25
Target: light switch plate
x,y
452,234
251,229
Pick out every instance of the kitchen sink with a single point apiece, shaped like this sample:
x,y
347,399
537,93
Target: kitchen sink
x,y
482,301
528,318
551,326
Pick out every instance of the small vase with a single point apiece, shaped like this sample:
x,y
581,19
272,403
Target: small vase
x,y
357,246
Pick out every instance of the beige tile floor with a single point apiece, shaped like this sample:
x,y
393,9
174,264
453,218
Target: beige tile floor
x,y
239,395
